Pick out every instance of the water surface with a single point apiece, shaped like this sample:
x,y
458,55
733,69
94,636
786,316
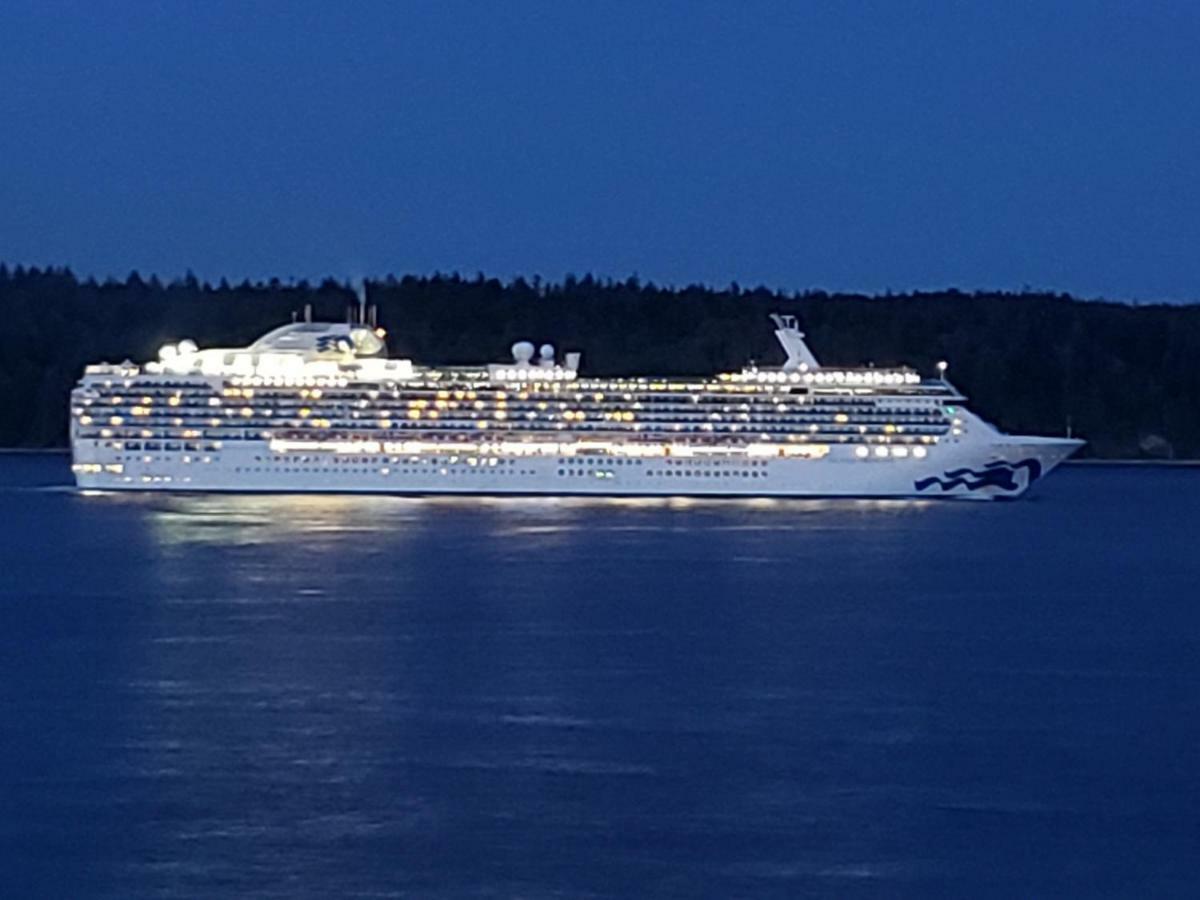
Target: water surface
x,y
327,696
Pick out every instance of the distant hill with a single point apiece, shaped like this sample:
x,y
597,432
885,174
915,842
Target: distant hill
x,y
1124,377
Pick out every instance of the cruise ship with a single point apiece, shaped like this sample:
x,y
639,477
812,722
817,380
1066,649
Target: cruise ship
x,y
319,406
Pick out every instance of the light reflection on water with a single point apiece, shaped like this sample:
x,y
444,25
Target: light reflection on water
x,y
267,518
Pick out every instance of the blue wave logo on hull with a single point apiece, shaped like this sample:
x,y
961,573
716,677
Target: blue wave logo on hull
x,y
999,474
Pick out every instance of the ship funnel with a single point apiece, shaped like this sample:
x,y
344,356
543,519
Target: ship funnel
x,y
799,357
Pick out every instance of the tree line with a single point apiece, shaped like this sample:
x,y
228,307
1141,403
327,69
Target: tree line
x,y
1124,377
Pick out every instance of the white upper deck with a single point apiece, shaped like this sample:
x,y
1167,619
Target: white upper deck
x,y
293,352
302,351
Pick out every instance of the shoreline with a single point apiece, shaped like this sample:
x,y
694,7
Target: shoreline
x,y
1178,463
1170,463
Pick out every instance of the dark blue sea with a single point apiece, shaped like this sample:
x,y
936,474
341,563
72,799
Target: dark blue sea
x,y
317,697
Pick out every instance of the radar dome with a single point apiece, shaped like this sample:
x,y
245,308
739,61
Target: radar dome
x,y
547,351
522,351
187,346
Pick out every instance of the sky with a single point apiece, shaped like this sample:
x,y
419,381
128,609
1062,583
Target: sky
x,y
842,145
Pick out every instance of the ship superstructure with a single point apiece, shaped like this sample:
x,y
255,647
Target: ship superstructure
x,y
319,406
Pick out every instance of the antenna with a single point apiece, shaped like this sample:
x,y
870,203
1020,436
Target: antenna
x,y
362,302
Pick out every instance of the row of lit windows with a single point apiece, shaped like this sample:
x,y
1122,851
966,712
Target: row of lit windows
x,y
847,435
650,473
895,452
380,470
490,462
531,421
247,428
477,380
205,395
418,408
839,424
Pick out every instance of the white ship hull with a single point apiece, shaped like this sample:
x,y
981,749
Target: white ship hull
x,y
1003,468
319,407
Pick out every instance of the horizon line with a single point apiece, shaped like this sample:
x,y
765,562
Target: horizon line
x,y
539,282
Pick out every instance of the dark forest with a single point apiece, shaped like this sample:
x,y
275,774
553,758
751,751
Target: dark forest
x,y
1122,376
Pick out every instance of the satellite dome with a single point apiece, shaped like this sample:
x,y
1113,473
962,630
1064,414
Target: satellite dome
x,y
547,351
522,351
187,346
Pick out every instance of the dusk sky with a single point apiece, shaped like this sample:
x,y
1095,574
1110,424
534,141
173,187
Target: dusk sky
x,y
838,145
